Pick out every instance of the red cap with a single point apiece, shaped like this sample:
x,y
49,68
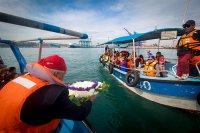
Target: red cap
x,y
54,62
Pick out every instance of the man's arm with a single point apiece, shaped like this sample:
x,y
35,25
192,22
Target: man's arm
x,y
51,102
64,108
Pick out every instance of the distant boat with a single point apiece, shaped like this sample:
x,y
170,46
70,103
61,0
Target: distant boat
x,y
54,45
74,45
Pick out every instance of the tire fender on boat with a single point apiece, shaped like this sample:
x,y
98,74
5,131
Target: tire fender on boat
x,y
110,68
134,75
198,98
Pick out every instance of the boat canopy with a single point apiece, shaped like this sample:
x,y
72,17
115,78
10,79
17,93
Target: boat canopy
x,y
155,34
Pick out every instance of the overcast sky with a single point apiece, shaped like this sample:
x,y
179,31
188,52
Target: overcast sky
x,y
100,19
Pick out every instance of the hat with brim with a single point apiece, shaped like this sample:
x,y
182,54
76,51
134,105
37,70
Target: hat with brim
x,y
54,62
189,22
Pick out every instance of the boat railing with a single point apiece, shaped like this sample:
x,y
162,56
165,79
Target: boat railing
x,y
173,69
88,126
167,71
197,66
142,70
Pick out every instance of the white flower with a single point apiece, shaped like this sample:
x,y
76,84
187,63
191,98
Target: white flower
x,y
84,84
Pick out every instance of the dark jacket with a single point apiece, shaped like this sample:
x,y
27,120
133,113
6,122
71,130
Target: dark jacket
x,y
52,102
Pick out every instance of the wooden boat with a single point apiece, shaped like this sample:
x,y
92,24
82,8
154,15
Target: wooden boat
x,y
169,90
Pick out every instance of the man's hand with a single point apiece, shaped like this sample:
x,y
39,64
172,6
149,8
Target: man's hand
x,y
92,98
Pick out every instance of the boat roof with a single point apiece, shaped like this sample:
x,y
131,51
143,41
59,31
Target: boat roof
x,y
155,34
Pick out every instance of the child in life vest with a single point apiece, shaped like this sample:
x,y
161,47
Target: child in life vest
x,y
161,64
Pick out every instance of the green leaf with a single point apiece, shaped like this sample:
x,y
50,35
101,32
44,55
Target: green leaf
x,y
79,101
103,88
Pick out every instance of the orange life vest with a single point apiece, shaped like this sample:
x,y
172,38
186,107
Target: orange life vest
x,y
151,68
188,42
130,64
105,58
12,98
194,60
141,61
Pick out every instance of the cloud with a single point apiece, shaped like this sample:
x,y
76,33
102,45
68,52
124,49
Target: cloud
x,y
100,19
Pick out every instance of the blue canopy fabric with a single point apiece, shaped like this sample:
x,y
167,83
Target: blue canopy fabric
x,y
156,34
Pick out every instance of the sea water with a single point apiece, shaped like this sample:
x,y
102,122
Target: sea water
x,y
119,110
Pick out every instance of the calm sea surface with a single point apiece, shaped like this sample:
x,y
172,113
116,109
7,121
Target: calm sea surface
x,y
119,110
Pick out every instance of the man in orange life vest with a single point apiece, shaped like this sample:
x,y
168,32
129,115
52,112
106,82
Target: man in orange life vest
x,y
35,102
188,46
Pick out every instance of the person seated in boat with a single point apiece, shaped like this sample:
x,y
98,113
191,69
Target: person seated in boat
x,y
3,73
111,58
130,63
2,65
120,56
140,61
9,75
123,63
125,53
110,55
149,54
116,59
193,69
161,66
106,57
150,66
36,101
158,55
12,70
161,61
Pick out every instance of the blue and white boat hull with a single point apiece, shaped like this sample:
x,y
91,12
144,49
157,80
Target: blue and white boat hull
x,y
168,91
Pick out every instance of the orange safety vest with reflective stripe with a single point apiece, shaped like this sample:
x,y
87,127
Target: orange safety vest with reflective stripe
x,y
188,42
151,68
12,98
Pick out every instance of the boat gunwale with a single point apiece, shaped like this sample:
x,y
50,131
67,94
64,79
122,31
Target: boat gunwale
x,y
168,80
